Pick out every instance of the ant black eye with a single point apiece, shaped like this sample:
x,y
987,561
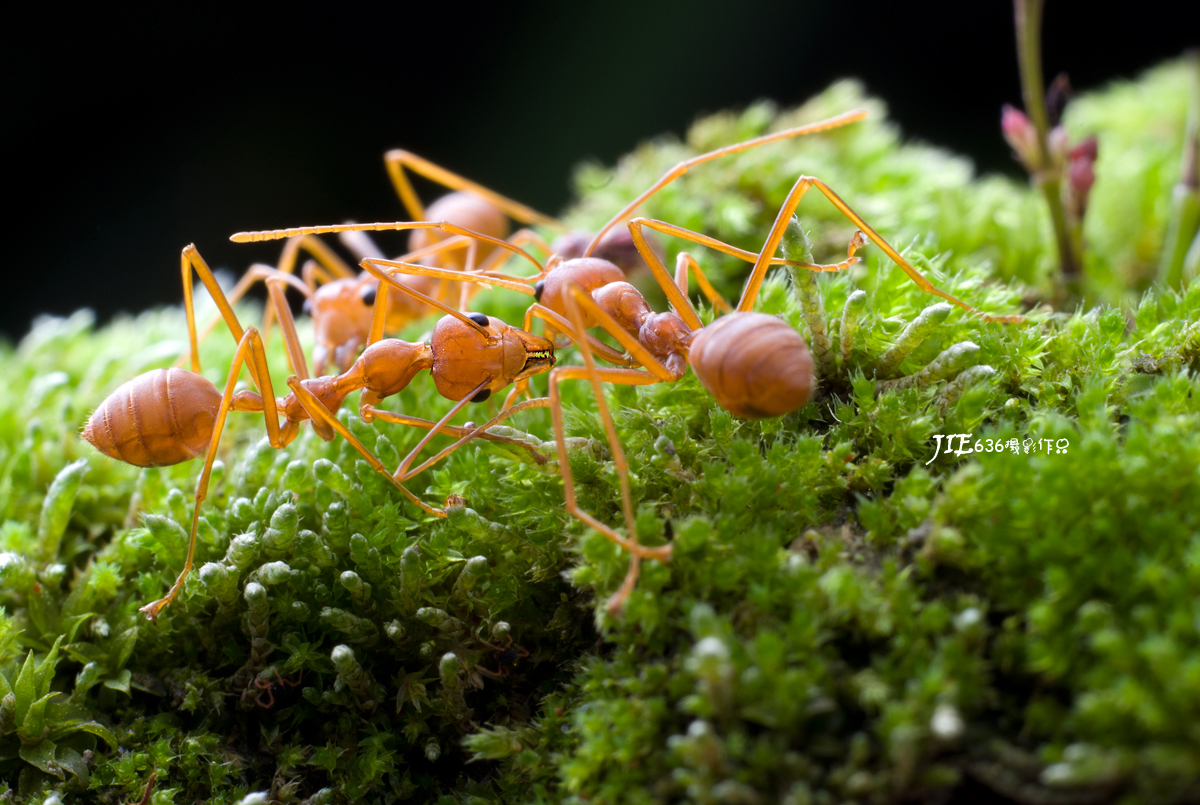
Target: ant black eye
x,y
307,307
481,396
538,288
478,318
368,295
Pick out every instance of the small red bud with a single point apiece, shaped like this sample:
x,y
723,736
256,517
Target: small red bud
x,y
1081,175
1085,150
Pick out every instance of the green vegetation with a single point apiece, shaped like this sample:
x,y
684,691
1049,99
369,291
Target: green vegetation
x,y
846,618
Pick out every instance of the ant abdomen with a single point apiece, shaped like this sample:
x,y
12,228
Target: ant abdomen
x,y
159,418
755,365
616,247
468,211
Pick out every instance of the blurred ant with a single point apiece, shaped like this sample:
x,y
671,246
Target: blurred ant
x,y
506,658
279,691
341,300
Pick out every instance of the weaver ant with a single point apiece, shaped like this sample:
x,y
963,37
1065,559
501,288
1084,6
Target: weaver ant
x,y
166,416
341,301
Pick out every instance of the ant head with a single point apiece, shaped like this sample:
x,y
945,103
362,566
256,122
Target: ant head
x,y
341,313
463,357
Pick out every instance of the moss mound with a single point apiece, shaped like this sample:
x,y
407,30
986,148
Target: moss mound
x,y
846,617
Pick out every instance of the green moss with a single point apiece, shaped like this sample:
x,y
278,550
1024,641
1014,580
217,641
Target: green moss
x,y
846,617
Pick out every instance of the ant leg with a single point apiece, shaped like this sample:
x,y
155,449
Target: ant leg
x,y
555,322
288,325
496,260
314,275
399,159
190,259
595,376
688,164
685,262
466,435
319,250
450,274
256,273
400,473
449,430
360,244
454,229
710,242
627,377
324,255
318,412
464,290
387,282
677,295
363,247
578,296
250,352
780,227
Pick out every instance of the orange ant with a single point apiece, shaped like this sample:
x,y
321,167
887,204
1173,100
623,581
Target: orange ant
x,y
340,301
166,416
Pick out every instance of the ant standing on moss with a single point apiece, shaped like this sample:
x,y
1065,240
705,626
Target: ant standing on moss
x,y
279,692
506,657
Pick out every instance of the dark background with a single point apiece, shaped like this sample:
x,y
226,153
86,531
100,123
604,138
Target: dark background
x,y
128,135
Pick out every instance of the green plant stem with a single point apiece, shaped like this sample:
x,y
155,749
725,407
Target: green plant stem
x,y
1184,220
1028,15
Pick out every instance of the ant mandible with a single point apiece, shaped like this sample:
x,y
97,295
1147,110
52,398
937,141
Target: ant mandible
x,y
166,416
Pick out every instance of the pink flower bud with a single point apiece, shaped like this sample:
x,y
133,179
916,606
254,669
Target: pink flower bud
x,y
1021,135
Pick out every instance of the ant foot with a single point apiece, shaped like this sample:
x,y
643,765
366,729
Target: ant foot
x,y
152,610
661,553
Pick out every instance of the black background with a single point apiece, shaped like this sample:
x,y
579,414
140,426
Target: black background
x,y
128,135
